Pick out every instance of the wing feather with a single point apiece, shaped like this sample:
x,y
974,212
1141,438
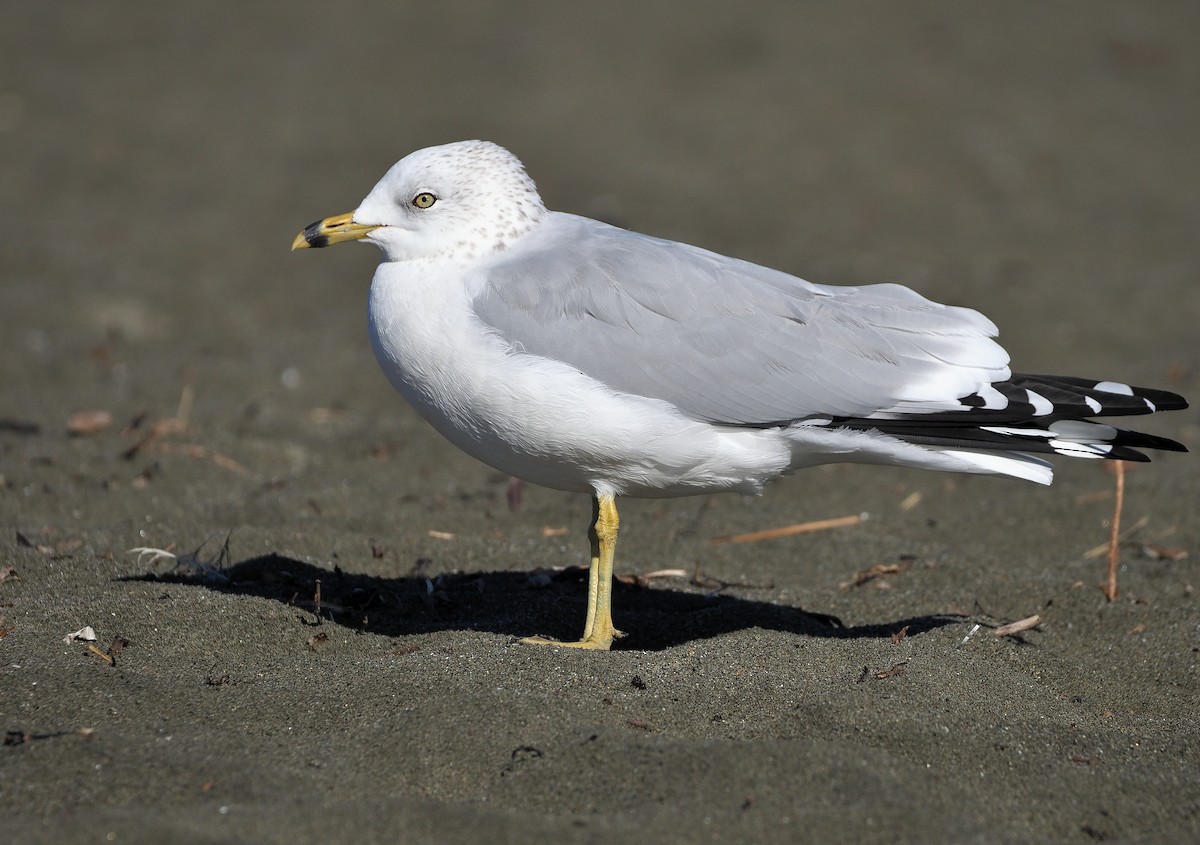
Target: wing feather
x,y
727,341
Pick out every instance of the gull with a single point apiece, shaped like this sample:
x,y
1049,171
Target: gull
x,y
588,358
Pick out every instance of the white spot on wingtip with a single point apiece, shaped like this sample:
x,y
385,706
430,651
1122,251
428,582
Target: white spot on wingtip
x,y
1041,405
993,399
1114,387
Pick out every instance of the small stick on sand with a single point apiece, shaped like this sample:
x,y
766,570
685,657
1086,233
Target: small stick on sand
x,y
1114,538
877,570
107,658
1017,627
789,530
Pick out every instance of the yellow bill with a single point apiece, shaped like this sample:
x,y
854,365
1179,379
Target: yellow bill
x,y
332,230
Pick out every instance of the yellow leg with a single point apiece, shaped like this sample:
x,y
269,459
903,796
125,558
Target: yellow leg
x,y
598,630
594,570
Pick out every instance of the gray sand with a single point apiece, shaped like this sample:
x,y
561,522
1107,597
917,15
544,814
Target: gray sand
x,y
158,158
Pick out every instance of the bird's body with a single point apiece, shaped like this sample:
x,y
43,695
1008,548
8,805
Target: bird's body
x,y
587,358
522,414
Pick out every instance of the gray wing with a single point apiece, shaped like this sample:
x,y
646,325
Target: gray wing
x,y
727,341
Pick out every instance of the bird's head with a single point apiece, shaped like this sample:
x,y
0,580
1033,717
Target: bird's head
x,y
456,201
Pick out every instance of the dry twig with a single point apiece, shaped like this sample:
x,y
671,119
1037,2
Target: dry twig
x,y
634,578
1114,538
1155,552
860,578
107,658
83,423
1013,628
883,674
790,530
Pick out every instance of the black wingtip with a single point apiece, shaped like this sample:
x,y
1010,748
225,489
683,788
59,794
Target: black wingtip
x,y
1068,393
1163,400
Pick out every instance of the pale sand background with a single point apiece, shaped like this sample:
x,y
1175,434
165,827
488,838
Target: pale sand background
x,y
156,160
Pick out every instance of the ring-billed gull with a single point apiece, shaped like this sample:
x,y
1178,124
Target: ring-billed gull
x,y
584,357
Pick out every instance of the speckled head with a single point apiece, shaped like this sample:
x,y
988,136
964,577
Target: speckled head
x,y
457,201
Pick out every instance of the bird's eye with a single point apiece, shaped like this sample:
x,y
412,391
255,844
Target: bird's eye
x,y
424,199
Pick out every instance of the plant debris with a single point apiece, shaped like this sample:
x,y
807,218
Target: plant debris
x,y
1103,548
115,647
1149,550
84,423
156,435
791,530
891,672
63,548
21,738
639,580
1013,628
107,658
859,578
189,566
1114,540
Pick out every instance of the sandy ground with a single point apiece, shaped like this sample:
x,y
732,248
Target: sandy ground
x,y
157,159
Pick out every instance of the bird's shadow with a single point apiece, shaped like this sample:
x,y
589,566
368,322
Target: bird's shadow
x,y
513,603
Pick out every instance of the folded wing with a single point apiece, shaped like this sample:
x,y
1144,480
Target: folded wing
x,y
727,341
